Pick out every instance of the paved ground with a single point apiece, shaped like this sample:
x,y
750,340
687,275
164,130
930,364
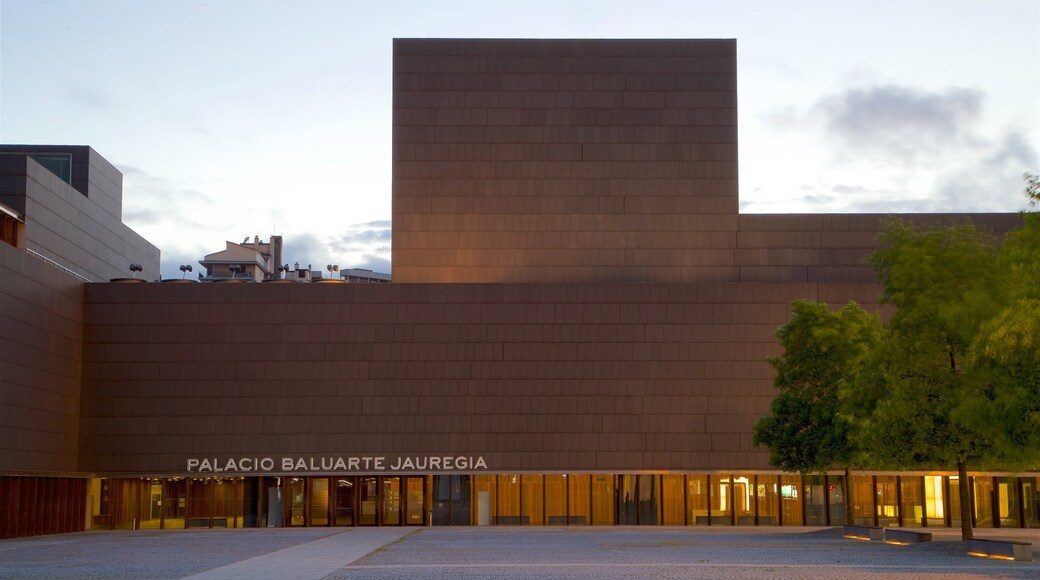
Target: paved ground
x,y
615,552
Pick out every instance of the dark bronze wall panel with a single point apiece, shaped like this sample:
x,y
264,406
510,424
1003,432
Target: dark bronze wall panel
x,y
830,247
41,330
564,160
532,377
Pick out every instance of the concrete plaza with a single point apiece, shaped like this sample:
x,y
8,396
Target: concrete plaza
x,y
577,552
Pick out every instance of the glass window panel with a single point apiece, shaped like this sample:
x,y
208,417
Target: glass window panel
x,y
791,499
954,499
319,501
697,499
250,502
174,503
815,500
648,492
743,500
721,500
602,500
862,500
460,500
484,488
556,500
673,500
1008,502
532,498
983,499
272,498
578,499
508,501
768,498
887,501
441,500
1031,501
60,165
836,498
626,497
935,505
151,516
297,500
344,515
934,500
911,508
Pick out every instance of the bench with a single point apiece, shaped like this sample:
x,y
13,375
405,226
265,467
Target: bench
x,y
713,520
512,520
207,522
565,520
864,533
906,537
1001,549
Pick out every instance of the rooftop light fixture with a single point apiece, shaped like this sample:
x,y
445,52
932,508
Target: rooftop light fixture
x,y
135,268
184,270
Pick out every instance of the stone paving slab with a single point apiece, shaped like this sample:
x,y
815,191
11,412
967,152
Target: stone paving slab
x,y
309,561
668,553
500,552
142,553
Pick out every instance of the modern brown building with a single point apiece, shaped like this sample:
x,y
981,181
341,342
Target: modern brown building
x,y
576,331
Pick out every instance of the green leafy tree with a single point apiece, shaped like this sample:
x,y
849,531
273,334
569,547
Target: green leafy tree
x,y
944,283
823,350
1006,350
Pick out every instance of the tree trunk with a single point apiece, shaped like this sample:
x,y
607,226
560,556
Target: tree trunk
x,y
965,493
848,495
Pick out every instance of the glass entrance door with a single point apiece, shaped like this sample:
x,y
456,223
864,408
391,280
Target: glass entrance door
x,y
391,501
344,511
368,496
415,501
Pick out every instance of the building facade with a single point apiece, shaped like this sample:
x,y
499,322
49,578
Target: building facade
x,y
575,334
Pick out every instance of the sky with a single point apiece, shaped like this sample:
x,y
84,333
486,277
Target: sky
x,y
231,118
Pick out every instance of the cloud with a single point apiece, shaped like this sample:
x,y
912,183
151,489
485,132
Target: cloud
x,y
364,245
847,189
305,249
90,98
818,199
1015,148
368,236
899,123
158,203
173,259
907,148
782,117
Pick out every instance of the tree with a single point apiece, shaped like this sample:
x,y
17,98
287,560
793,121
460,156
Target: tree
x,y
823,351
945,286
954,377
1006,350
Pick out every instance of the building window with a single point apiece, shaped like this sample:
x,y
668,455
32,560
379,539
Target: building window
x,y
60,165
